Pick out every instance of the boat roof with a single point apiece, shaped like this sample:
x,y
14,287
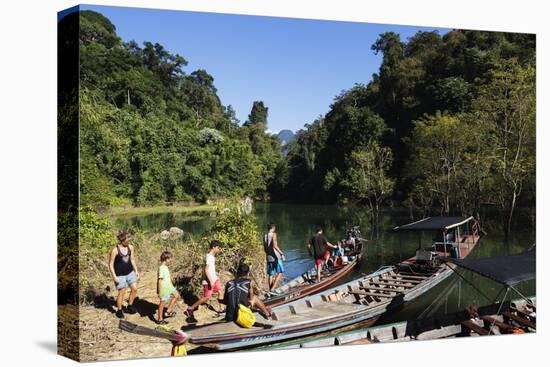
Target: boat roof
x,y
434,223
507,270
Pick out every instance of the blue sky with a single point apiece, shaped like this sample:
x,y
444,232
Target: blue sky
x,y
295,66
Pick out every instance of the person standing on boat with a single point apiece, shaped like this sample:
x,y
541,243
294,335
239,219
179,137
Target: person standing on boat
x,y
210,281
321,254
350,242
123,268
274,257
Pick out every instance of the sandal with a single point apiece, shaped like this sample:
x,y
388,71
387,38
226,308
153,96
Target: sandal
x,y
162,322
169,314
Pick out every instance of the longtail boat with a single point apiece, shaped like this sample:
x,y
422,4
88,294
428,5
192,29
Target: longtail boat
x,y
305,284
359,301
504,317
455,237
516,317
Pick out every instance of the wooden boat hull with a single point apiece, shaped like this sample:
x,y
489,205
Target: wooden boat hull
x,y
361,300
300,290
343,315
275,335
443,326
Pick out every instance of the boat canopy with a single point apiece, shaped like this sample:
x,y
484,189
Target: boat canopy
x,y
434,223
507,270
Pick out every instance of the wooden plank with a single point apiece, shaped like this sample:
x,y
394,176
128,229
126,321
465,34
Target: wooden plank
x,y
402,280
523,314
469,324
381,289
520,320
359,293
389,283
504,327
404,275
401,283
360,342
444,332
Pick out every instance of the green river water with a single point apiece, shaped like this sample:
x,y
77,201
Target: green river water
x,y
295,225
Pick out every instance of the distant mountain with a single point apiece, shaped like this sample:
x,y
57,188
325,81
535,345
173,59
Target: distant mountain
x,y
286,136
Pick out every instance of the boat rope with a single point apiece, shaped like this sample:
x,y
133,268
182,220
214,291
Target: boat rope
x,y
498,294
382,268
467,281
528,300
498,311
437,301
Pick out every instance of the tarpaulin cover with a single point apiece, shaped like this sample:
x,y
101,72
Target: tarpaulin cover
x,y
433,223
507,270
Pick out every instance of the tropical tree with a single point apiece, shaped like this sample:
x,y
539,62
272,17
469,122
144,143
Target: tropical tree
x,y
367,179
507,106
438,148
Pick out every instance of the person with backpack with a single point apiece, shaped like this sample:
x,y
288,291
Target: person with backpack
x,y
238,292
274,257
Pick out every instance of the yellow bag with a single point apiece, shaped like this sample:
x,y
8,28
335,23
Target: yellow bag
x,y
245,317
178,350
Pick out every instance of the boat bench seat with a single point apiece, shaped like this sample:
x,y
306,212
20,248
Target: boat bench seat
x,y
520,320
473,326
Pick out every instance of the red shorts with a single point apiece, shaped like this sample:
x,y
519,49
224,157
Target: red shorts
x,y
319,260
217,287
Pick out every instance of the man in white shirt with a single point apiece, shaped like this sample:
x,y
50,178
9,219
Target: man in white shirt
x,y
210,281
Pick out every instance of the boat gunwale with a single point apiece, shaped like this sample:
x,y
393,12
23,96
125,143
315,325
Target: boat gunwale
x,y
299,345
220,341
286,298
327,319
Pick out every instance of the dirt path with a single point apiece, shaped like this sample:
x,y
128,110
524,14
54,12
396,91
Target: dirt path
x,y
100,338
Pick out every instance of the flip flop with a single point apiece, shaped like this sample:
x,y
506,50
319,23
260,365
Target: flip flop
x,y
169,314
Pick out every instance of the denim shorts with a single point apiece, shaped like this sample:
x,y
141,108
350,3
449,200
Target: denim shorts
x,y
125,281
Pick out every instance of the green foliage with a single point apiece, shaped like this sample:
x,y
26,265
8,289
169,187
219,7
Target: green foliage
x,y
84,240
97,234
238,233
258,114
321,153
94,27
151,134
367,177
210,136
507,106
451,94
240,240
453,114
438,166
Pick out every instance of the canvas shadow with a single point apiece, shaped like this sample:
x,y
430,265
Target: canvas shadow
x,y
48,345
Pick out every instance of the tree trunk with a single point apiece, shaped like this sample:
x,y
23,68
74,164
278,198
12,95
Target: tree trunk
x,y
511,214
